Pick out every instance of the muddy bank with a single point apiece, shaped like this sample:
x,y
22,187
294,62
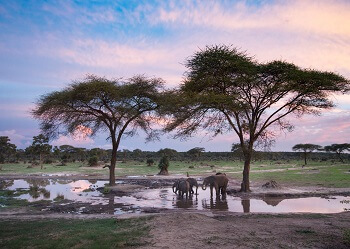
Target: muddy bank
x,y
249,231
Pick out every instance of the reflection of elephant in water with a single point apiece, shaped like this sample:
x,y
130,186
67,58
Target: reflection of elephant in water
x,y
183,187
219,182
193,183
183,203
215,204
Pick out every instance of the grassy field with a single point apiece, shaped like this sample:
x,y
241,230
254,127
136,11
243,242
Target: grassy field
x,y
291,172
62,233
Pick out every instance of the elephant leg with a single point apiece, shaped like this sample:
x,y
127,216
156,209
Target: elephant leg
x,y
211,191
217,190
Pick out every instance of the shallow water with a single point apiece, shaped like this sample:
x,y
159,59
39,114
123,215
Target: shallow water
x,y
84,191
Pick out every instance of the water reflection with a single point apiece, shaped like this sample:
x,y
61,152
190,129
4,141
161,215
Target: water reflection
x,y
84,191
190,202
246,205
217,204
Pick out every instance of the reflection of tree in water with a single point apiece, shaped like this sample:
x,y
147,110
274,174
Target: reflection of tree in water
x,y
218,203
182,202
272,201
110,209
246,205
37,187
64,181
4,184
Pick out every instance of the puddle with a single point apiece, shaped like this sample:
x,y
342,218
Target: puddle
x,y
82,196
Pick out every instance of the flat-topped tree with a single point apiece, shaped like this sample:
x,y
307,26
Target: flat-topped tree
x,y
306,149
338,149
99,104
225,90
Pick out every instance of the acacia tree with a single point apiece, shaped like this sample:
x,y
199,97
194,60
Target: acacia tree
x,y
225,90
306,149
195,152
99,104
338,149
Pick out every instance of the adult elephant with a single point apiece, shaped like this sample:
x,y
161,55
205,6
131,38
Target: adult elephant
x,y
219,182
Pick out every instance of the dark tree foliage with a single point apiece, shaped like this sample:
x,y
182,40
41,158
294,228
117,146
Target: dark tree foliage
x,y
225,90
338,149
306,149
167,152
99,104
40,146
6,148
163,166
195,152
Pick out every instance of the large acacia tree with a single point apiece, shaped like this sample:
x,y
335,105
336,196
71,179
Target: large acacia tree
x,y
225,90
99,104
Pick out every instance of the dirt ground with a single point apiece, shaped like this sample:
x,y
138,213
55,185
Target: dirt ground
x,y
195,230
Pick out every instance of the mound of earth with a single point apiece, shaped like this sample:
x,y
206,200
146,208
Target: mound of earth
x,y
271,184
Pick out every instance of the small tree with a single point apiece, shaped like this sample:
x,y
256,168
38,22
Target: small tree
x,y
93,161
6,148
163,166
150,162
167,152
195,153
98,104
306,149
338,149
40,146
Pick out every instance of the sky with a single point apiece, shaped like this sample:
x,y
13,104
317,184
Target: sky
x,y
45,45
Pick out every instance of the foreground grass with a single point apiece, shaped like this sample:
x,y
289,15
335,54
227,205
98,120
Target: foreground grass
x,y
61,233
327,174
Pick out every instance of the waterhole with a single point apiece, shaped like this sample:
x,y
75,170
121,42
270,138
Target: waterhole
x,y
83,196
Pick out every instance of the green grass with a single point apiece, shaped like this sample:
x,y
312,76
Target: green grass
x,y
61,233
325,174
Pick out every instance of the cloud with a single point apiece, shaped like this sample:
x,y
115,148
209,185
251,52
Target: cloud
x,y
74,141
16,138
321,17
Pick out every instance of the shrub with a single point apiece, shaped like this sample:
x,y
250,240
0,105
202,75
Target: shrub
x,y
150,162
93,161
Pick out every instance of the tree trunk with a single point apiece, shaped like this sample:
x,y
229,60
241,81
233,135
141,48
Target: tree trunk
x,y
245,186
163,172
305,157
40,161
113,163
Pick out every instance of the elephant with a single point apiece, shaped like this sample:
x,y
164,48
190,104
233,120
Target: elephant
x,y
219,182
176,185
183,187
193,182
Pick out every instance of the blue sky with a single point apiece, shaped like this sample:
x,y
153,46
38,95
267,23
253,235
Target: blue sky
x,y
44,45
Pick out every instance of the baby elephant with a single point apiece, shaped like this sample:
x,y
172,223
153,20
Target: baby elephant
x,y
183,187
219,182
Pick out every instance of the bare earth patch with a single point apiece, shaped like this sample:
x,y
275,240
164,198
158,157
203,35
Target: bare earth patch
x,y
194,230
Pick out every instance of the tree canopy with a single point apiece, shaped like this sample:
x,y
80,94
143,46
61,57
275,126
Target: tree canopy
x,y
226,90
98,104
306,149
6,148
338,149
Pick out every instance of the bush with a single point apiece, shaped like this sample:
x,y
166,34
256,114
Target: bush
x,y
163,163
150,162
93,161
